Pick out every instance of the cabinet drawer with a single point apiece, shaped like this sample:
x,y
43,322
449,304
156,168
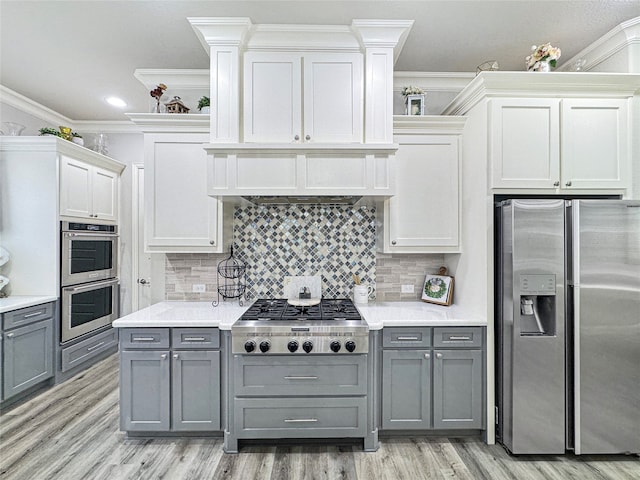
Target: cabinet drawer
x,y
144,338
457,336
300,417
195,338
87,349
317,375
28,315
403,337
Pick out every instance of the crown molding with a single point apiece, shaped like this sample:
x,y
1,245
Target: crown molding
x,y
434,124
612,42
220,30
383,33
182,79
33,108
105,126
536,84
170,123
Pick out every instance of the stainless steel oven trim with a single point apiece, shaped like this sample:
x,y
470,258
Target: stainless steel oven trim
x,y
68,278
67,332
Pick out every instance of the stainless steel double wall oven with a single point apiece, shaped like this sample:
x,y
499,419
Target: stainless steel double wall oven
x,y
88,270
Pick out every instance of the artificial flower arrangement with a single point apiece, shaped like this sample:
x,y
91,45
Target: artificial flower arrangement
x,y
410,90
546,53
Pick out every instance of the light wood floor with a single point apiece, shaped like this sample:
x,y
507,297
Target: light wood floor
x,y
71,433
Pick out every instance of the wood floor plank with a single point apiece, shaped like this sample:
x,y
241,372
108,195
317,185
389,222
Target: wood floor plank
x,y
71,432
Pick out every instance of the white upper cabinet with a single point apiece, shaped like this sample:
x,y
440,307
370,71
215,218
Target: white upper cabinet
x,y
303,98
565,144
88,191
179,215
423,216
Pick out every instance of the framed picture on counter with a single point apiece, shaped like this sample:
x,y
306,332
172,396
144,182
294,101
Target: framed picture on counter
x,y
438,288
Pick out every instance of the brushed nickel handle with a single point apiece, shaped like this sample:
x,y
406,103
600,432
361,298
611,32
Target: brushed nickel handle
x,y
89,349
163,356
143,339
407,338
427,356
212,242
308,137
310,377
296,138
34,314
556,184
568,184
454,337
438,355
194,339
144,281
393,242
175,356
9,335
299,420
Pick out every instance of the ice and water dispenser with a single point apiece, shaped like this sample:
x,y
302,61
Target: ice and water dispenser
x,y
538,305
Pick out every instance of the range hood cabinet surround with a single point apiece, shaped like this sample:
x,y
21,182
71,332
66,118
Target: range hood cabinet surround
x,y
255,170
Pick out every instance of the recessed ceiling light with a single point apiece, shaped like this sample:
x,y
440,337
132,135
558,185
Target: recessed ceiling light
x,y
116,102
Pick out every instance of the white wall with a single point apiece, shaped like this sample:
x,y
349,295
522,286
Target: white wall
x,y
12,114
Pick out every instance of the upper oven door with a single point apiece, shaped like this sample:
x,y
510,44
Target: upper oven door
x,y
87,257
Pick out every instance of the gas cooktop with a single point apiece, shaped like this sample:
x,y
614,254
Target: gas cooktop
x,y
273,326
278,309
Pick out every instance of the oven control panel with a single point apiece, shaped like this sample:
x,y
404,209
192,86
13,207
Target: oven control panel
x,y
299,345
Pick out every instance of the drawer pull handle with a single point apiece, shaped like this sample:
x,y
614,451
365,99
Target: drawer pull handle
x,y
452,337
407,338
300,420
143,339
300,378
34,314
194,339
95,346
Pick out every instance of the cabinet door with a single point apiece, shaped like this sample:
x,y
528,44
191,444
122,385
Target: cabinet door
x,y
423,215
272,97
179,215
333,99
595,144
28,357
457,389
75,188
105,194
524,142
406,389
144,390
195,390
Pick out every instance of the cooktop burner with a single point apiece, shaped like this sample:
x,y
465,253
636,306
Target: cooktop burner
x,y
279,309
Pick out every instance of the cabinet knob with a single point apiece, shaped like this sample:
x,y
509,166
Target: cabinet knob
x,y
568,184
438,355
296,138
393,242
427,356
308,137
212,242
163,356
9,335
175,356
556,184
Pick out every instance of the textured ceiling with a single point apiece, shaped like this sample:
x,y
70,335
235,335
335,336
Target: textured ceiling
x,y
69,55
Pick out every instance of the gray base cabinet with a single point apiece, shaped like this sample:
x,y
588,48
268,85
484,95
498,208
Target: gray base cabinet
x,y
406,395
27,349
432,387
169,380
457,388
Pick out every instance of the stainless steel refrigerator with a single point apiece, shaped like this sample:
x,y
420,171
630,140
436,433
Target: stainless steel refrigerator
x,y
568,326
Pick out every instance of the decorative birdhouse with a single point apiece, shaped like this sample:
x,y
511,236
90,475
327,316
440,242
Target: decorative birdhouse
x,y
176,106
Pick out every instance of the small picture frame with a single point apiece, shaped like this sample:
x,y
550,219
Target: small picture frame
x,y
415,104
438,288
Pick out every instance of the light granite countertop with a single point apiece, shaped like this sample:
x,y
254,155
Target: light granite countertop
x,y
377,315
16,302
184,314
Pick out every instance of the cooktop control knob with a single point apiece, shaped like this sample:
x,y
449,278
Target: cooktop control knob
x,y
350,345
264,346
292,346
307,346
250,346
335,346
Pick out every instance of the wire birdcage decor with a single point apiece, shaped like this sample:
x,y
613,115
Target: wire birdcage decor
x,y
231,279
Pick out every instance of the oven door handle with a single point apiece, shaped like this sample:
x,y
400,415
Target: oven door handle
x,y
94,235
91,286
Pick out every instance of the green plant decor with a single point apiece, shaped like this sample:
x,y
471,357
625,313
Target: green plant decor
x,y
203,102
50,131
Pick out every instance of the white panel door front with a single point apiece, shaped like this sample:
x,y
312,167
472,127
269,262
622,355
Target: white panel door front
x,y
272,97
105,194
75,188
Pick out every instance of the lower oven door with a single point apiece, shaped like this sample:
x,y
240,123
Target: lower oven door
x,y
88,307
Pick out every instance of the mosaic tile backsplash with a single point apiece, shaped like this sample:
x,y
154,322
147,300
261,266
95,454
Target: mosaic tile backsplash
x,y
331,241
